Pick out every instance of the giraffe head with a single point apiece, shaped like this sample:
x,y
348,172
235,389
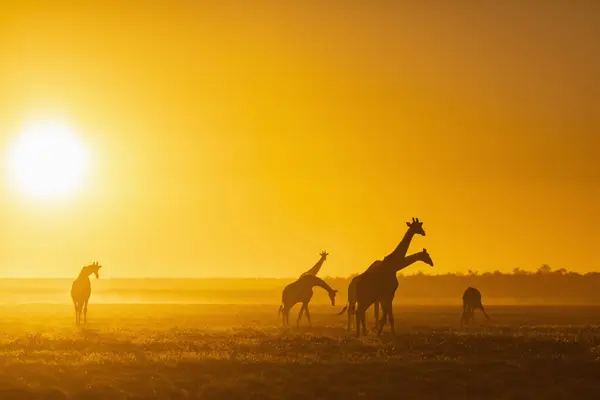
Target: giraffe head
x,y
332,296
416,227
324,255
94,268
426,257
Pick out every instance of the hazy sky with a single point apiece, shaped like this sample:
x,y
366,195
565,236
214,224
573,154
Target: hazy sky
x,y
242,140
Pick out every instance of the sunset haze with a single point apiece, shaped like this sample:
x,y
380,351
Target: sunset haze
x,y
241,141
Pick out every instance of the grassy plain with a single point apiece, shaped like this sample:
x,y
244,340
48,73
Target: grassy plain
x,y
240,352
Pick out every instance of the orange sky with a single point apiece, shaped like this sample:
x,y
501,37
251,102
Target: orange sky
x,y
241,141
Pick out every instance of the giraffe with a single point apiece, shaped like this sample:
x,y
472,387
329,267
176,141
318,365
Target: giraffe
x,y
415,227
317,267
388,291
82,289
351,306
379,284
301,291
471,302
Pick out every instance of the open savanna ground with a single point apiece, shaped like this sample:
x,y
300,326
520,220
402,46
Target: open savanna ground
x,y
240,352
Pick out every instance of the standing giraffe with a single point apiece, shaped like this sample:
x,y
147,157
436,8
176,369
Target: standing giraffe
x,y
471,302
301,291
82,289
415,227
352,289
317,267
389,284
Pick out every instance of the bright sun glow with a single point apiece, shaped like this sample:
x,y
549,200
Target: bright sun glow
x,y
47,160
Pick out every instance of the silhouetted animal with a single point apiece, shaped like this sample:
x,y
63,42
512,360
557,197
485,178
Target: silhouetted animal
x,y
415,227
82,289
351,306
379,284
301,291
317,267
471,301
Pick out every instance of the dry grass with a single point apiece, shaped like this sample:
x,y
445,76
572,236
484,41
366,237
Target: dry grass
x,y
240,352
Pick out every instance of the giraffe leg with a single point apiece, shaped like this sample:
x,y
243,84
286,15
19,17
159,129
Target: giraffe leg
x,y
76,319
85,304
349,312
79,305
363,322
360,321
308,315
285,320
391,318
384,317
376,306
469,314
300,315
357,320
386,305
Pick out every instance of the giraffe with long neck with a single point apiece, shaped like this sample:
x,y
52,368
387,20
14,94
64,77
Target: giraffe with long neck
x,y
81,289
415,227
352,288
317,267
370,285
301,291
385,281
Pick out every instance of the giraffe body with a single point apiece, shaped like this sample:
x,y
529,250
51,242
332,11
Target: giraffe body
x,y
301,291
81,290
379,285
415,227
350,308
471,302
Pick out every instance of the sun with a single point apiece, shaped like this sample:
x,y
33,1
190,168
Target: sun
x,y
47,160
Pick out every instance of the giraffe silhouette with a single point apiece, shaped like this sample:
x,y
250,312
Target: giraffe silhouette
x,y
317,267
415,227
82,289
471,302
389,287
351,306
301,291
379,284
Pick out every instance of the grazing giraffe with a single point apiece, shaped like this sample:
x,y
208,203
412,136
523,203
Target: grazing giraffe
x,y
317,267
471,302
351,306
301,291
379,285
82,289
415,227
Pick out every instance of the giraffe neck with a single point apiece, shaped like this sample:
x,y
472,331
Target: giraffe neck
x,y
84,274
409,260
314,281
316,268
400,252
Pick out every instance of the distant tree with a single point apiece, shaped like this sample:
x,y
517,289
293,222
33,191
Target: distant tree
x,y
519,271
561,271
544,269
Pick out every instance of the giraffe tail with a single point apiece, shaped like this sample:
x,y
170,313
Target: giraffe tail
x,y
343,310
